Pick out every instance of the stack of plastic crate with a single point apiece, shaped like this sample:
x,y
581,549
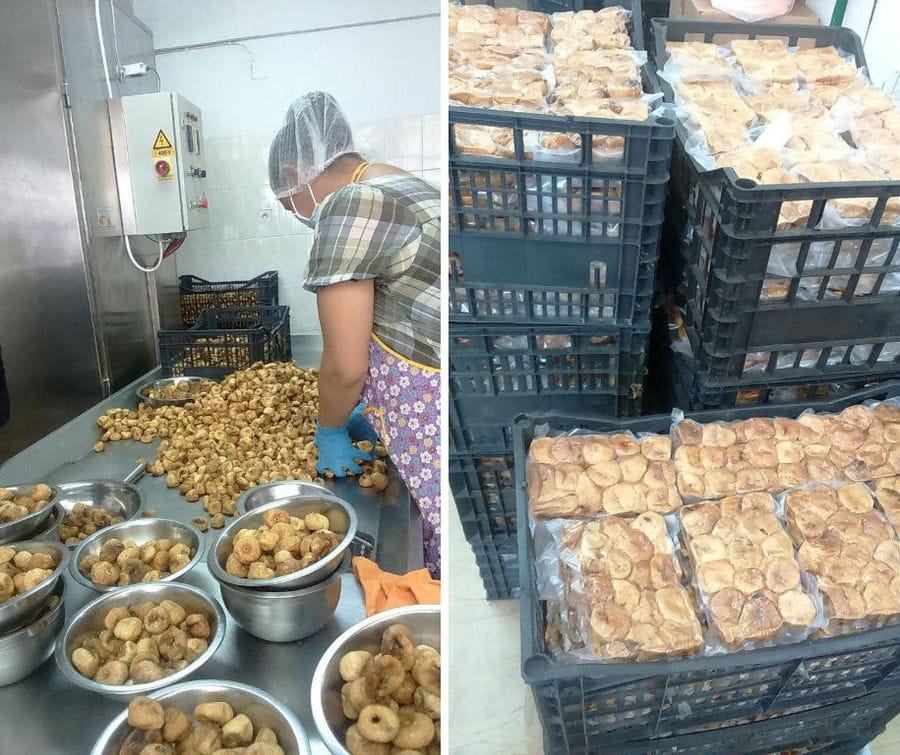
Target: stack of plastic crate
x,y
774,314
552,266
822,695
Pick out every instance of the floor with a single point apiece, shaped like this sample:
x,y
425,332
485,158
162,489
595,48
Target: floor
x,y
492,712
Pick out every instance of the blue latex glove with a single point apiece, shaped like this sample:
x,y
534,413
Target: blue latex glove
x,y
336,452
358,426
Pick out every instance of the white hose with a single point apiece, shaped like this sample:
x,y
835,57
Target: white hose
x,y
109,95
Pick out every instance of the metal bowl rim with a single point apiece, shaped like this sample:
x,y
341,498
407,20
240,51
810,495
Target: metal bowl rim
x,y
317,687
269,699
71,673
335,576
48,617
54,575
241,503
86,582
221,575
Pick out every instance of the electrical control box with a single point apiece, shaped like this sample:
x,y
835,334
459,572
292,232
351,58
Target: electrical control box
x,y
160,164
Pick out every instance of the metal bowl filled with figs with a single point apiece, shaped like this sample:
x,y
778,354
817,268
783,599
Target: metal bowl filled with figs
x,y
150,537
423,623
176,391
34,522
25,647
40,579
125,648
116,499
329,528
260,707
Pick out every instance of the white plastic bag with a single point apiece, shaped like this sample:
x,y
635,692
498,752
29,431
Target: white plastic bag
x,y
752,11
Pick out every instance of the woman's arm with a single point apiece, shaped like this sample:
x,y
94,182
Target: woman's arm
x,y
345,315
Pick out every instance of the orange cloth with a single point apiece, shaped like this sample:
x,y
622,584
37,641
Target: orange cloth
x,y
384,590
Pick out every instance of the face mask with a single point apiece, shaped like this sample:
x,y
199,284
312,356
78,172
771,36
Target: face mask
x,y
310,221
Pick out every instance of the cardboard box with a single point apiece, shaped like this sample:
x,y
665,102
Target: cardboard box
x,y
702,10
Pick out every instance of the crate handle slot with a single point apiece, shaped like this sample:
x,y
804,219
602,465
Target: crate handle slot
x,y
597,274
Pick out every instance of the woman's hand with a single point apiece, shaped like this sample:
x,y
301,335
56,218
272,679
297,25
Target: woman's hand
x,y
359,427
337,453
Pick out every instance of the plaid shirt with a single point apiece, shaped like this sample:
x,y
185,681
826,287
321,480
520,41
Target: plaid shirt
x,y
387,229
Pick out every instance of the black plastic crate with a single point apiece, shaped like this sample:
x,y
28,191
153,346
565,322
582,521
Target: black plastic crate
x,y
511,362
482,424
198,294
476,436
834,729
483,488
586,707
498,564
841,282
533,194
225,340
812,375
552,282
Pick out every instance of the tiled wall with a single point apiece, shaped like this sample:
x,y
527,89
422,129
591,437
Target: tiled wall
x,y
249,231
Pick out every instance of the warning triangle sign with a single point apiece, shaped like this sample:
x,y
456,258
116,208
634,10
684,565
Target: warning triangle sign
x,y
162,141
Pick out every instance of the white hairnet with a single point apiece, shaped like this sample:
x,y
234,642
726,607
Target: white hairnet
x,y
315,134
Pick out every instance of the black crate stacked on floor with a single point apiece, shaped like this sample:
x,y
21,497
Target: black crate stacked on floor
x,y
550,297
822,695
198,294
829,323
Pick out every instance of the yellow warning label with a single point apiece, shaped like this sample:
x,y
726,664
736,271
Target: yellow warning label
x,y
162,147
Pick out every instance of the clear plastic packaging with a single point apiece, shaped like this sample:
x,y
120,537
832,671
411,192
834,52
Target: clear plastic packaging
x,y
887,496
720,459
618,589
851,550
583,476
751,588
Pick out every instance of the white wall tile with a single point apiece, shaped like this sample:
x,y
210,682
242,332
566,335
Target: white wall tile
x,y
226,214
393,140
255,158
431,141
304,315
222,158
368,138
261,212
433,176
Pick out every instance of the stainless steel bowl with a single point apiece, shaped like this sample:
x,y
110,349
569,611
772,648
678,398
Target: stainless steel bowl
x,y
258,705
140,531
285,615
157,385
31,524
121,498
25,648
342,520
277,491
24,607
90,619
425,624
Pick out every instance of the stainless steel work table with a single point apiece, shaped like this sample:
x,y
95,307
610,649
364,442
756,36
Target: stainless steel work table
x,y
45,714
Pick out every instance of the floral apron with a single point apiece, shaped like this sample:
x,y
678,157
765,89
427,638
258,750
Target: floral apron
x,y
405,398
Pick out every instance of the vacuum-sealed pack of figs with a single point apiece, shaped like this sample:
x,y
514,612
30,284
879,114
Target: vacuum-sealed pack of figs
x,y
584,476
620,596
766,455
749,583
851,550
